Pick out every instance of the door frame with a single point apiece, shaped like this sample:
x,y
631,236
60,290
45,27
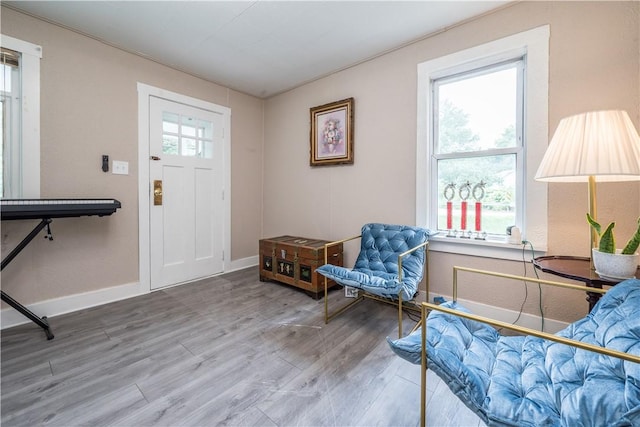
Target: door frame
x,y
144,184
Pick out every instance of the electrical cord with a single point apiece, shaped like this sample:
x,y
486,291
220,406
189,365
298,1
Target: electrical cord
x,y
526,288
413,316
524,263
524,244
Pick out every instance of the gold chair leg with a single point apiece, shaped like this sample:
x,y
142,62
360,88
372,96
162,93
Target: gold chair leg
x,y
343,309
328,316
417,325
423,371
400,315
326,295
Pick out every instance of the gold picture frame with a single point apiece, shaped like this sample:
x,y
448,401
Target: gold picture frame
x,y
332,133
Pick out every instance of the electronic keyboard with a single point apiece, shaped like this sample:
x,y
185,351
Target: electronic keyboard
x,y
56,208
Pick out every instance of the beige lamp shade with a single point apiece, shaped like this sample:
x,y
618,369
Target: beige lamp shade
x,y
602,144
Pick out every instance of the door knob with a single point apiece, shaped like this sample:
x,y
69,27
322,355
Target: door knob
x,y
157,192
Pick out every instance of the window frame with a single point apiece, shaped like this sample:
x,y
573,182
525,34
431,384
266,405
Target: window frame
x,y
533,45
29,183
519,63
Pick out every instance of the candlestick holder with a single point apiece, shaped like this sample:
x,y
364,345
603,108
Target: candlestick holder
x,y
466,234
464,193
449,194
478,194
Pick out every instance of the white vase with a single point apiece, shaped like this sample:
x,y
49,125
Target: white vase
x,y
615,266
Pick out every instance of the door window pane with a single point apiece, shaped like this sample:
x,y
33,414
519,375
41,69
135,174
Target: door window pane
x,y
206,150
188,126
205,129
169,144
186,136
170,122
188,147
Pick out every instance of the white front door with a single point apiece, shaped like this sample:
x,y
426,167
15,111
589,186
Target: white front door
x,y
186,217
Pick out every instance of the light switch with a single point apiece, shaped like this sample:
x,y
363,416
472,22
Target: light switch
x,y
120,167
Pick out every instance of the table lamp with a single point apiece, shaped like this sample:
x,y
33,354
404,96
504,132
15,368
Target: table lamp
x,y
602,144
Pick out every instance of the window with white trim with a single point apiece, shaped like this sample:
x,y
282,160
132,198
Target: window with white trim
x,y
482,131
20,110
477,149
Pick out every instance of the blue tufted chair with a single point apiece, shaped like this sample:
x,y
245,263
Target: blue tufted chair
x,y
530,381
389,267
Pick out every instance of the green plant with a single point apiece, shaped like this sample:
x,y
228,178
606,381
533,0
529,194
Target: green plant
x,y
608,241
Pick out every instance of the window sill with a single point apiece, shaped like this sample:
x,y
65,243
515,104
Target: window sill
x,y
499,249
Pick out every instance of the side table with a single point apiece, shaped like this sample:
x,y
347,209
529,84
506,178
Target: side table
x,y
576,268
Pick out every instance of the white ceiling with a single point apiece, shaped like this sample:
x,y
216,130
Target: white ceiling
x,y
258,47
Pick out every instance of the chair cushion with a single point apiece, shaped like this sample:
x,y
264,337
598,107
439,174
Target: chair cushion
x,y
376,268
528,381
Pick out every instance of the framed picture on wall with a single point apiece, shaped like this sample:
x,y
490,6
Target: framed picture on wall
x,y
332,133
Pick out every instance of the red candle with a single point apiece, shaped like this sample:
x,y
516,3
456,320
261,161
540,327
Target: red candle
x,y
478,216
463,215
449,215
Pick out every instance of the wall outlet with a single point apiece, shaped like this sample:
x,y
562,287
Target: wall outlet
x,y
120,167
350,292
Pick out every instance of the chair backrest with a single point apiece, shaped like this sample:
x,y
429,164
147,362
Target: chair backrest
x,y
382,243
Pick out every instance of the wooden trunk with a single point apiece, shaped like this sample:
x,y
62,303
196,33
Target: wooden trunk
x,y
293,260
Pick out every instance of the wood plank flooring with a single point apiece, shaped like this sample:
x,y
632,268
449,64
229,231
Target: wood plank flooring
x,y
228,351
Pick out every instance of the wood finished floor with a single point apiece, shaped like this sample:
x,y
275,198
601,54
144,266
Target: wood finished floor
x,y
229,350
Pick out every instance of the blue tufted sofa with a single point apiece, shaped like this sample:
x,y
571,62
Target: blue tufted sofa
x,y
390,264
530,381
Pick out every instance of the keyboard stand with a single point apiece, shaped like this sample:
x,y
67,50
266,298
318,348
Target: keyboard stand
x,y
42,322
45,210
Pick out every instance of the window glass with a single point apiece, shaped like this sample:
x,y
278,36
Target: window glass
x,y
477,142
170,122
186,136
477,112
2,138
205,129
188,147
5,83
492,179
206,150
169,144
10,98
189,126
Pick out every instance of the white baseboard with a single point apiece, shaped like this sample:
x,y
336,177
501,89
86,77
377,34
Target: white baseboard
x,y
54,307
239,264
527,320
10,317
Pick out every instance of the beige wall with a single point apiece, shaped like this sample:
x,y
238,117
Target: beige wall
x,y
594,64
89,107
